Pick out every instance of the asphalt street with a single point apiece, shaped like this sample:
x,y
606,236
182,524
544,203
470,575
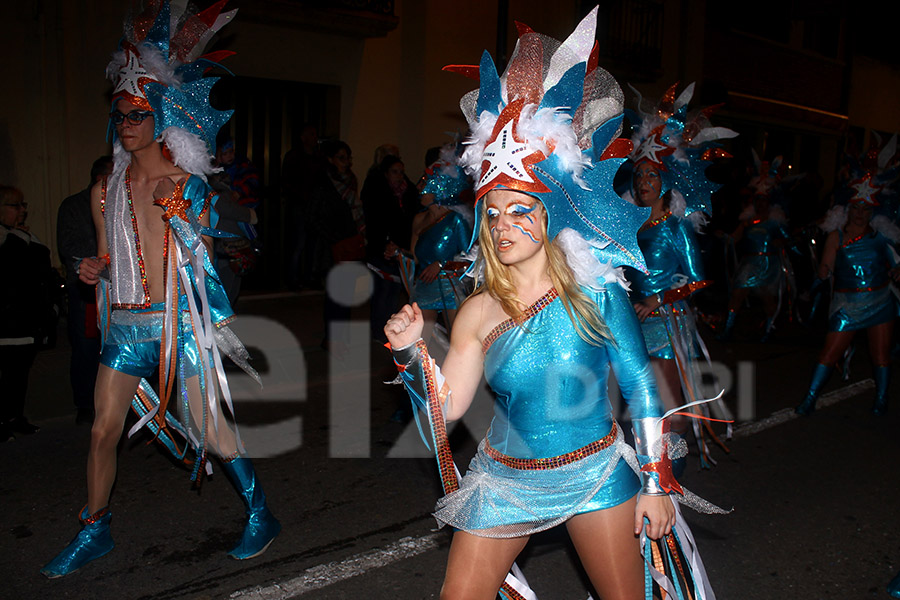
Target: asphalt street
x,y
815,510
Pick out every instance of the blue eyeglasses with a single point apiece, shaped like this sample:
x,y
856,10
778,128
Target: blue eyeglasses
x,y
135,117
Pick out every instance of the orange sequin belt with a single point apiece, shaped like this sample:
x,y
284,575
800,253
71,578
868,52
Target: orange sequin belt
x,y
553,462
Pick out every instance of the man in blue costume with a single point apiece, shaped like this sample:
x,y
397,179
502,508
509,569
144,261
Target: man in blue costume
x,y
160,301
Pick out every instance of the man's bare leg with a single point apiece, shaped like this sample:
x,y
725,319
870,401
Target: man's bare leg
x,y
262,527
112,397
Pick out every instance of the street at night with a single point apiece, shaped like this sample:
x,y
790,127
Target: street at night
x,y
813,510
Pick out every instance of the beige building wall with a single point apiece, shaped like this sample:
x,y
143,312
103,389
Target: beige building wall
x,y
54,105
53,112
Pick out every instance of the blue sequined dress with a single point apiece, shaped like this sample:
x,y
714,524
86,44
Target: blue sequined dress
x,y
863,295
552,404
440,243
762,265
673,259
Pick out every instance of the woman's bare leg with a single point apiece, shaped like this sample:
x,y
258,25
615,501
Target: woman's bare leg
x,y
836,343
609,551
477,565
112,397
880,343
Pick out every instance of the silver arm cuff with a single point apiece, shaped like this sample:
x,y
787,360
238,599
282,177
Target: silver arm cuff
x,y
648,442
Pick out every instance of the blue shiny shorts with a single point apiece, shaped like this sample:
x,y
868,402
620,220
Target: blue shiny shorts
x,y
132,343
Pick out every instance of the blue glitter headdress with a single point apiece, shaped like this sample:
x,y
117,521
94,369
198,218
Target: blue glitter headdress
x,y
872,180
680,144
548,127
159,67
446,180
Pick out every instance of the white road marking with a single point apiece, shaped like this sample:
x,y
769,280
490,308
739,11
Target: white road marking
x,y
322,576
786,414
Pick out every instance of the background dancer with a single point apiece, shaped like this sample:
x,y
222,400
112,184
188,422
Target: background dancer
x,y
860,258
441,232
761,236
672,151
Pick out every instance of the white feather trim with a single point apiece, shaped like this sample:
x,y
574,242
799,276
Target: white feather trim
x,y
629,197
548,124
698,219
472,156
189,152
589,271
152,60
886,227
835,218
677,203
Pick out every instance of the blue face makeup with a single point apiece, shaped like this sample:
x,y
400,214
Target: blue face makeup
x,y
521,210
516,211
526,232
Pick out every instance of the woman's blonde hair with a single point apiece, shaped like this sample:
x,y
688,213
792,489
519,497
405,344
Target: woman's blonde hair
x,y
498,282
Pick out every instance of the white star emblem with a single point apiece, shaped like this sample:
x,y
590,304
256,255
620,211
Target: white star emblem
x,y
504,157
650,150
864,191
132,77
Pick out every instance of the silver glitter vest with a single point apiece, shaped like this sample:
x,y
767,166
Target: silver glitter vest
x,y
128,286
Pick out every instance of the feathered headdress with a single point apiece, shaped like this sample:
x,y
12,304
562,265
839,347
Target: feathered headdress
x,y
159,67
871,182
681,145
548,127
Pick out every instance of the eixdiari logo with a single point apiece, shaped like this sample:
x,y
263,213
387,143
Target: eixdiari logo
x,y
351,383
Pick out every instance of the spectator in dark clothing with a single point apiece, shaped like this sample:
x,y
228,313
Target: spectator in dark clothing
x,y
76,239
390,200
337,214
300,171
27,317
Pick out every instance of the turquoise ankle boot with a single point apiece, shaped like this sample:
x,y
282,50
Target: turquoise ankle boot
x,y
93,541
819,379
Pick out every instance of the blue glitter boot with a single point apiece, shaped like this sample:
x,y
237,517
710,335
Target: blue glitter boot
x,y
262,527
727,332
819,379
882,383
93,541
893,587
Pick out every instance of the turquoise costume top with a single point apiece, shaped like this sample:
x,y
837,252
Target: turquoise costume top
x,y
440,243
673,259
862,293
761,265
552,401
551,385
672,254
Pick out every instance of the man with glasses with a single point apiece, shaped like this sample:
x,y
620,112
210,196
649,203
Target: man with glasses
x,y
161,305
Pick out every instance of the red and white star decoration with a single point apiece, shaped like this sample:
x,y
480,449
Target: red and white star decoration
x,y
864,191
131,81
653,149
507,160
